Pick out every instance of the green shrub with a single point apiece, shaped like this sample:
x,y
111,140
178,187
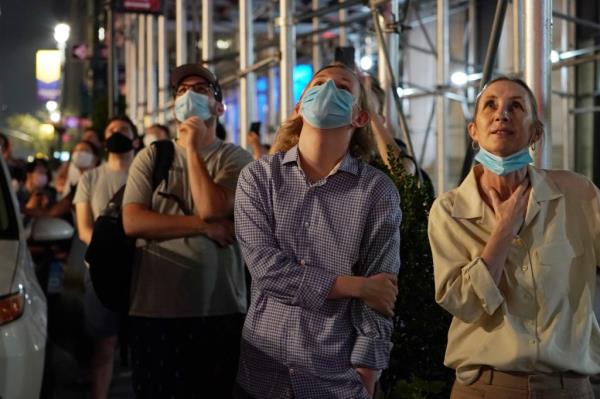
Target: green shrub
x,y
416,368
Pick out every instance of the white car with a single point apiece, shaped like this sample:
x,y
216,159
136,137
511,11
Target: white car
x,y
23,317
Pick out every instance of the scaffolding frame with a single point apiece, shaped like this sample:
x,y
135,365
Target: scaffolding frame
x,y
531,35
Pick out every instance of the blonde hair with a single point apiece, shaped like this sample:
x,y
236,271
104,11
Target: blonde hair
x,y
361,144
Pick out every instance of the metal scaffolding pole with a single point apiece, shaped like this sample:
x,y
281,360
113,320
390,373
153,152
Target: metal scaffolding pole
x,y
316,46
151,91
247,82
391,48
208,49
517,35
180,32
567,36
537,18
287,45
343,35
393,89
163,70
272,112
141,72
441,109
130,68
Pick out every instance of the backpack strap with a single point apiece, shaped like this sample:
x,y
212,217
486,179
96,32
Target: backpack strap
x,y
114,204
165,153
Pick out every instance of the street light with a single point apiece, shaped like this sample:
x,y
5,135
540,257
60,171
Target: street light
x,y
61,34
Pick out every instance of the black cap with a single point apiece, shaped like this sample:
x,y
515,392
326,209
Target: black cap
x,y
183,71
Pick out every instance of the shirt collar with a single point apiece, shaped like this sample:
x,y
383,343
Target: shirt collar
x,y
348,164
468,203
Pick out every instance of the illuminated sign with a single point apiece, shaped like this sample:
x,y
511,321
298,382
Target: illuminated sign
x,y
47,74
140,6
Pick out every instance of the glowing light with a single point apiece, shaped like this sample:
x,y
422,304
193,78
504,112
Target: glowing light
x,y
366,62
459,78
55,116
223,44
51,106
61,33
404,91
101,34
46,131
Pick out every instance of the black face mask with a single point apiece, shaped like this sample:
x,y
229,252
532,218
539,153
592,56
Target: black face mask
x,y
119,143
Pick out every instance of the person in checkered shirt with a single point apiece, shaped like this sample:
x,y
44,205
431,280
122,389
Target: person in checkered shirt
x,y
319,230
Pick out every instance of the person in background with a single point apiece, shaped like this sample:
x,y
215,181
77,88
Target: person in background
x,y
516,251
84,156
320,233
156,132
382,133
36,196
96,187
256,147
90,134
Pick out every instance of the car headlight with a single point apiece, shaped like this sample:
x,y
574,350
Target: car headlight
x,y
11,307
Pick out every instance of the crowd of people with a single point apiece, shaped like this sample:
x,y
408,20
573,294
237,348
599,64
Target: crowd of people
x,y
274,274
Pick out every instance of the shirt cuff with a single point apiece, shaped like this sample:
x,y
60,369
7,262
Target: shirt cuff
x,y
484,286
371,353
314,288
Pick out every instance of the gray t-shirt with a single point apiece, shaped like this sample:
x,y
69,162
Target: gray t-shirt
x,y
190,276
97,186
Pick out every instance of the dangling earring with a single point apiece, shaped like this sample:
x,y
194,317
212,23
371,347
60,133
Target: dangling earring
x,y
475,145
532,146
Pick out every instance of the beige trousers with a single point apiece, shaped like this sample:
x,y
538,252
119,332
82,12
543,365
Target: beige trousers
x,y
493,384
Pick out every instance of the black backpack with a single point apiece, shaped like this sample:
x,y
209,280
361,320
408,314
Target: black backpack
x,y
110,254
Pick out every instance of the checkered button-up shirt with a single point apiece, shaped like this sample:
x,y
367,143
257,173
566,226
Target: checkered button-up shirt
x,y
296,238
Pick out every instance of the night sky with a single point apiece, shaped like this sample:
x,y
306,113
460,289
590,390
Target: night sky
x,y
25,27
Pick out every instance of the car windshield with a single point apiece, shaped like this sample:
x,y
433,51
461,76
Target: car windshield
x,y
8,223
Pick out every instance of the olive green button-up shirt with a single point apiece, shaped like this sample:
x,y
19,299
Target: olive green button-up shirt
x,y
539,318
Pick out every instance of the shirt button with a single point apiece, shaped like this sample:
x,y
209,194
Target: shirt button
x,y
292,371
306,224
527,296
302,262
532,341
524,268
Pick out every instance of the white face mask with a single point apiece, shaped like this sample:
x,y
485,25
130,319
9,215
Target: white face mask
x,y
83,159
149,139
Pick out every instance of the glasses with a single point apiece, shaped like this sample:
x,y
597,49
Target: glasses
x,y
200,88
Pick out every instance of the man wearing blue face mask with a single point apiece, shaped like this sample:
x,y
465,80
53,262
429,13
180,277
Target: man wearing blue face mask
x,y
189,291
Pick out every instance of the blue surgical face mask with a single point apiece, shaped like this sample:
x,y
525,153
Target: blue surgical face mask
x,y
326,106
192,104
504,165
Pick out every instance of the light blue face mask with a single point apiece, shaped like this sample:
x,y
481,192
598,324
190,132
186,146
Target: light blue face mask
x,y
503,165
192,104
327,107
